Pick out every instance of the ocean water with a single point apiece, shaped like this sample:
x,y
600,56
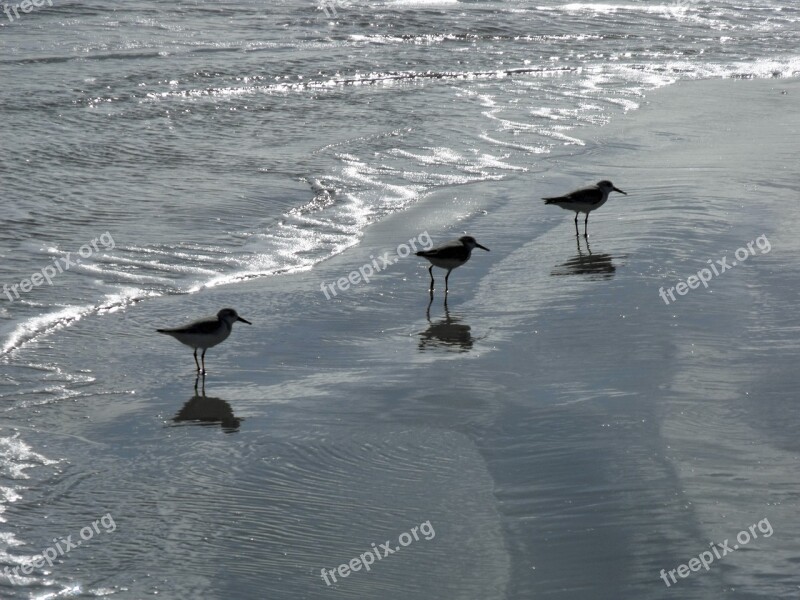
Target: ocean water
x,y
165,149
186,129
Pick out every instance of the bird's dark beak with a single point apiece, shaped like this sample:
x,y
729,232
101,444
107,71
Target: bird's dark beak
x,y
481,247
616,189
244,320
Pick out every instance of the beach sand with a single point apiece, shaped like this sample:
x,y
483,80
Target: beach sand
x,y
566,433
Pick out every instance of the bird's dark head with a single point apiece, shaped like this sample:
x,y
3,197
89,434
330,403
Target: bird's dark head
x,y
471,243
609,187
230,316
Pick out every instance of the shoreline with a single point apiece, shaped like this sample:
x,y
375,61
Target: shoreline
x,y
555,406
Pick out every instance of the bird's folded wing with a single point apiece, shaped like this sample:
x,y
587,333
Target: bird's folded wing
x,y
201,326
590,195
454,250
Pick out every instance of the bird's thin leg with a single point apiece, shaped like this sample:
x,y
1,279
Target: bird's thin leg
x,y
577,231
446,277
195,360
586,225
430,270
203,357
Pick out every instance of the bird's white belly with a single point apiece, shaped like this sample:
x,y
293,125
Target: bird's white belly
x,y
584,207
203,340
446,263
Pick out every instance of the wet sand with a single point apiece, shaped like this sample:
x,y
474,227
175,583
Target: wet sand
x,y
566,433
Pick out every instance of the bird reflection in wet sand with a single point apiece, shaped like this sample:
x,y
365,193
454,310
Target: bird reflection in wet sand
x,y
207,410
446,333
587,264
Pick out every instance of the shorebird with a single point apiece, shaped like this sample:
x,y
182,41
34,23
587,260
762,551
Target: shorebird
x,y
450,255
585,200
205,333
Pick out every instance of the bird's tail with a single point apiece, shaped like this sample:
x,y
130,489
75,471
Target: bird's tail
x,y
422,253
550,200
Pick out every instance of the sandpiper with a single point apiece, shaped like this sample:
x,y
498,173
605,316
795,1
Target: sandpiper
x,y
206,333
585,200
450,255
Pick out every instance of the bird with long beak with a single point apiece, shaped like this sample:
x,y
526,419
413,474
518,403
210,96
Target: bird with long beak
x,y
206,333
585,200
450,255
